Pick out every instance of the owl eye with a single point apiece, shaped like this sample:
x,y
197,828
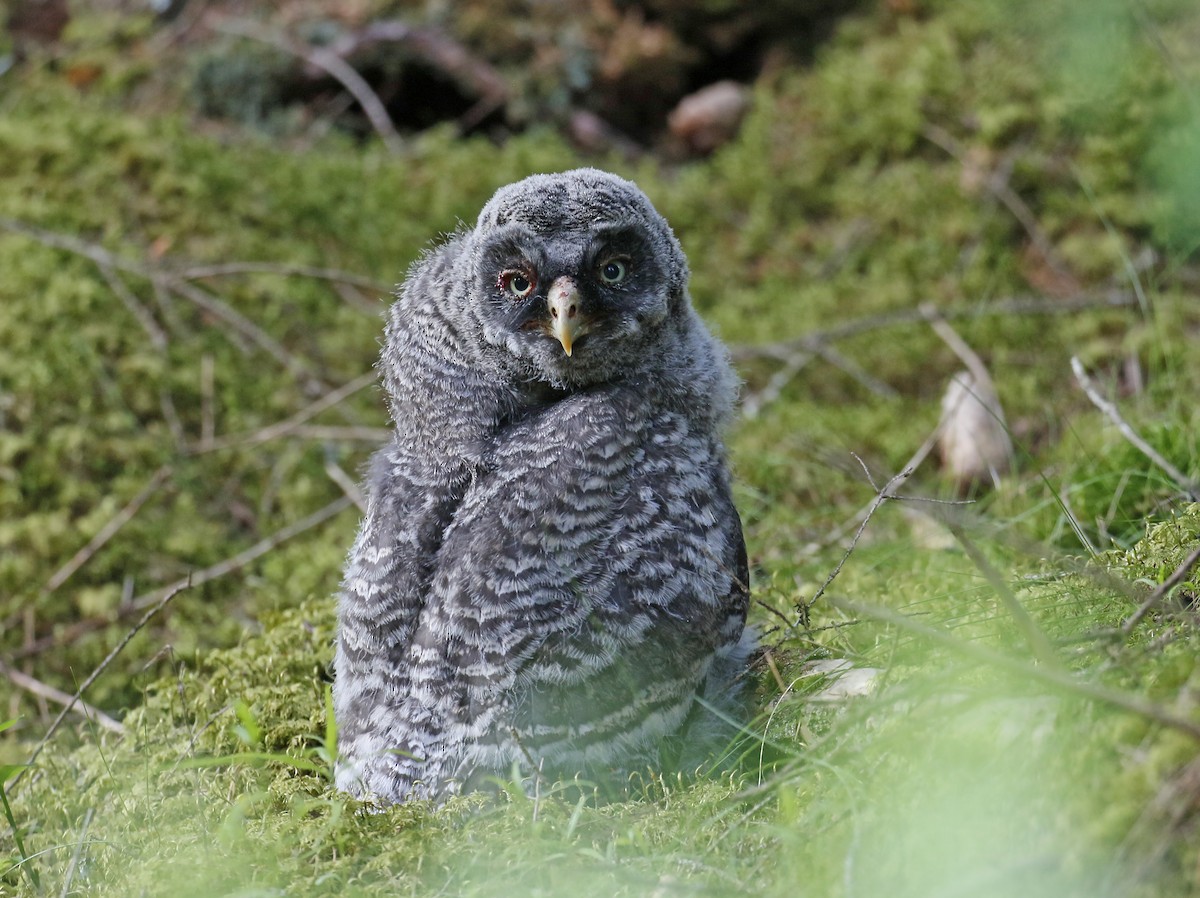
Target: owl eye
x,y
613,271
517,283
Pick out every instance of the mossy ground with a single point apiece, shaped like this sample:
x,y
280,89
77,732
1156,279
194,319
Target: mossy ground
x,y
840,200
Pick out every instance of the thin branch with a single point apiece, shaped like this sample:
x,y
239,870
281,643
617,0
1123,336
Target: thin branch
x,y
165,281
290,424
881,496
997,184
95,674
105,533
242,325
333,65
345,483
197,578
1110,410
1054,676
1161,592
45,690
284,269
784,349
256,551
158,337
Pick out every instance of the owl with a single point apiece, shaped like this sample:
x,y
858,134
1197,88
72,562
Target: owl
x,y
550,577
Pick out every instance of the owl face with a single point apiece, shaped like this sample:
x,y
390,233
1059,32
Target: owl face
x,y
574,275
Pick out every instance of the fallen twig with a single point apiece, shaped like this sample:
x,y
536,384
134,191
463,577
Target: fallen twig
x,y
335,66
158,337
336,275
784,349
45,690
197,578
105,533
291,423
95,674
1190,487
1161,592
163,280
881,496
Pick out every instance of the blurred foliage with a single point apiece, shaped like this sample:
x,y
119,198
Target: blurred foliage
x,y
890,171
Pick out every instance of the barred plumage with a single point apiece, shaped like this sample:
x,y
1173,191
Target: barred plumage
x,y
551,571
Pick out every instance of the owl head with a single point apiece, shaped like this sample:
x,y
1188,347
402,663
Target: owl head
x,y
574,277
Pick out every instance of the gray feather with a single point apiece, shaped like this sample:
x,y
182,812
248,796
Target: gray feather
x,y
551,572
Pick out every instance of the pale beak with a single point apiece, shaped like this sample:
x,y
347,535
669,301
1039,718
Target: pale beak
x,y
567,324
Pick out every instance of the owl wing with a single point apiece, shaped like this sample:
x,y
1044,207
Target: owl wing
x,y
583,591
443,411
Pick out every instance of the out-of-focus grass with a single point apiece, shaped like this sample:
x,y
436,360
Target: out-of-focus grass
x,y
841,200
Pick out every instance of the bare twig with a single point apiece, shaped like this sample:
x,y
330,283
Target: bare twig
x,y
376,435
1054,676
1161,592
997,183
292,423
335,66
336,275
441,52
208,424
100,668
105,533
197,578
158,337
241,325
346,483
881,496
784,349
1110,410
240,560
45,690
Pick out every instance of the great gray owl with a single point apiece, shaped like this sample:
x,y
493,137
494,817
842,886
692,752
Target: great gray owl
x,y
550,576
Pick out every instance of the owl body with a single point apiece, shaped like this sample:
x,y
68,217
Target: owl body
x,y
551,573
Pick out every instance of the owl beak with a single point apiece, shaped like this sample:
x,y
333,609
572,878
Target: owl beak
x,y
567,323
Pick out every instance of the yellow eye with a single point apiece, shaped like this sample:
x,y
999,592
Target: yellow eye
x,y
516,283
613,271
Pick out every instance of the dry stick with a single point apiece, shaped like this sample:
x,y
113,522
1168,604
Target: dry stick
x,y
242,325
336,67
200,298
337,275
1038,642
105,533
867,510
784,349
45,690
1161,592
1055,676
290,424
197,578
880,497
260,548
158,337
332,434
1181,480
998,185
346,483
92,677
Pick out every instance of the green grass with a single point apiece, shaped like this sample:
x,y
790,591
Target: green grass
x,y
971,769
